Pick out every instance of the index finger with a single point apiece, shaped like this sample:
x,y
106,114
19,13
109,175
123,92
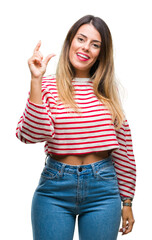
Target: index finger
x,y
37,46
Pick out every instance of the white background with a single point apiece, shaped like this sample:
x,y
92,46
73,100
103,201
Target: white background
x,y
23,24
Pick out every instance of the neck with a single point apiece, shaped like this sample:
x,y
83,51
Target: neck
x,y
81,74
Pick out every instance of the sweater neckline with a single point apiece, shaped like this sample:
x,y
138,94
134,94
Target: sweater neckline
x,y
83,80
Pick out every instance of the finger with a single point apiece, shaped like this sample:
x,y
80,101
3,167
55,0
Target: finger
x,y
47,59
38,54
129,227
124,222
38,61
33,59
37,46
123,230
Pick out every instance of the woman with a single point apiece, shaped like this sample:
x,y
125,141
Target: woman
x,y
90,167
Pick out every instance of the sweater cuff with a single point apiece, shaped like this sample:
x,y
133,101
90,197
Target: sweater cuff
x,y
126,198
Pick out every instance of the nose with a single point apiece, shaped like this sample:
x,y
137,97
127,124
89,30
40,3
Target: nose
x,y
86,46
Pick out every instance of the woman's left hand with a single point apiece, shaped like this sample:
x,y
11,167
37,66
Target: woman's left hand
x,y
127,220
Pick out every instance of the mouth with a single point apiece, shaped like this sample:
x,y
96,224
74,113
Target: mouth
x,y
82,56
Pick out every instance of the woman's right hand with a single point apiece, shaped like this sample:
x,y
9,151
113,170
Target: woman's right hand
x,y
36,63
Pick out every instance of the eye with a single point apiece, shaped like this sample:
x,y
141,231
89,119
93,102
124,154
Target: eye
x,y
96,45
80,39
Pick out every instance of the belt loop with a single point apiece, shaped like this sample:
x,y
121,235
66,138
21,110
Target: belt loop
x,y
62,170
94,169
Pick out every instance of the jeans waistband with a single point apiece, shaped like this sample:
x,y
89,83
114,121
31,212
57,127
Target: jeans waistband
x,y
50,162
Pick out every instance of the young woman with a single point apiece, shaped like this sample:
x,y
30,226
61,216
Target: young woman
x,y
90,167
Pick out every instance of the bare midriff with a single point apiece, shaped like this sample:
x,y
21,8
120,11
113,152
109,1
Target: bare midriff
x,y
82,159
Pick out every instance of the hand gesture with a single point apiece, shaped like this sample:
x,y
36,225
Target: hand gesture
x,y
36,63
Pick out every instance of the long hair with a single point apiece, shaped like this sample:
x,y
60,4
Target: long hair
x,y
102,72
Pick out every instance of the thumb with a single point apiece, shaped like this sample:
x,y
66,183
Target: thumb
x,y
47,59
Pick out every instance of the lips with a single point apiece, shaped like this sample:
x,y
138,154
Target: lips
x,y
82,56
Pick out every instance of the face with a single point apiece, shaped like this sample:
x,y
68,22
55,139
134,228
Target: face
x,y
84,50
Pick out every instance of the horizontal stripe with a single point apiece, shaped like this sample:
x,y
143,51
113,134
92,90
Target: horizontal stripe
x,y
37,128
90,131
74,138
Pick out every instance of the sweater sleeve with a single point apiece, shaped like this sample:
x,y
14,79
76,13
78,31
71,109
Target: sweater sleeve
x,y
124,162
36,124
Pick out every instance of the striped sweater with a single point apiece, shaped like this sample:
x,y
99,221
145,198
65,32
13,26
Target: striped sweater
x,y
67,133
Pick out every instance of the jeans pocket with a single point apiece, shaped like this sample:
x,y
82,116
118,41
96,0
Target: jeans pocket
x,y
107,173
50,173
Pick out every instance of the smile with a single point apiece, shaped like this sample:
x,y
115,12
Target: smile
x,y
83,57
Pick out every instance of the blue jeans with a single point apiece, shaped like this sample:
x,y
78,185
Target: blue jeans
x,y
65,191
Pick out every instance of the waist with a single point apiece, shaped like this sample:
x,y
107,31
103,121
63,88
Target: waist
x,y
82,159
54,164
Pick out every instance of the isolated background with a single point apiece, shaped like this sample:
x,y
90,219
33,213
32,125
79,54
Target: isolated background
x,y
23,24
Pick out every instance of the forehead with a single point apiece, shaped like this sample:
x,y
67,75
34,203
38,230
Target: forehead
x,y
89,31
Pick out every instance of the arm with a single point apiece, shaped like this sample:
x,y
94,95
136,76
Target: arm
x,y
124,163
36,123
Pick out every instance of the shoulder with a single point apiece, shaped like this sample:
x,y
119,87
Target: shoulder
x,y
125,128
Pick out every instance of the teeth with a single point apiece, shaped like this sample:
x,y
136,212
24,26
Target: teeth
x,y
81,55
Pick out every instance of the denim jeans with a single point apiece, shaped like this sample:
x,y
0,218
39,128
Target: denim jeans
x,y
89,192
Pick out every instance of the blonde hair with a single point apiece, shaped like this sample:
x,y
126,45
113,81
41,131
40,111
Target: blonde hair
x,y
102,72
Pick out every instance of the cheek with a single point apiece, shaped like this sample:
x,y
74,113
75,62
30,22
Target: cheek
x,y
97,54
70,55
71,51
73,46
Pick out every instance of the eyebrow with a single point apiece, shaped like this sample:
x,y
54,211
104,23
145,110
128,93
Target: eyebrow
x,y
86,37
